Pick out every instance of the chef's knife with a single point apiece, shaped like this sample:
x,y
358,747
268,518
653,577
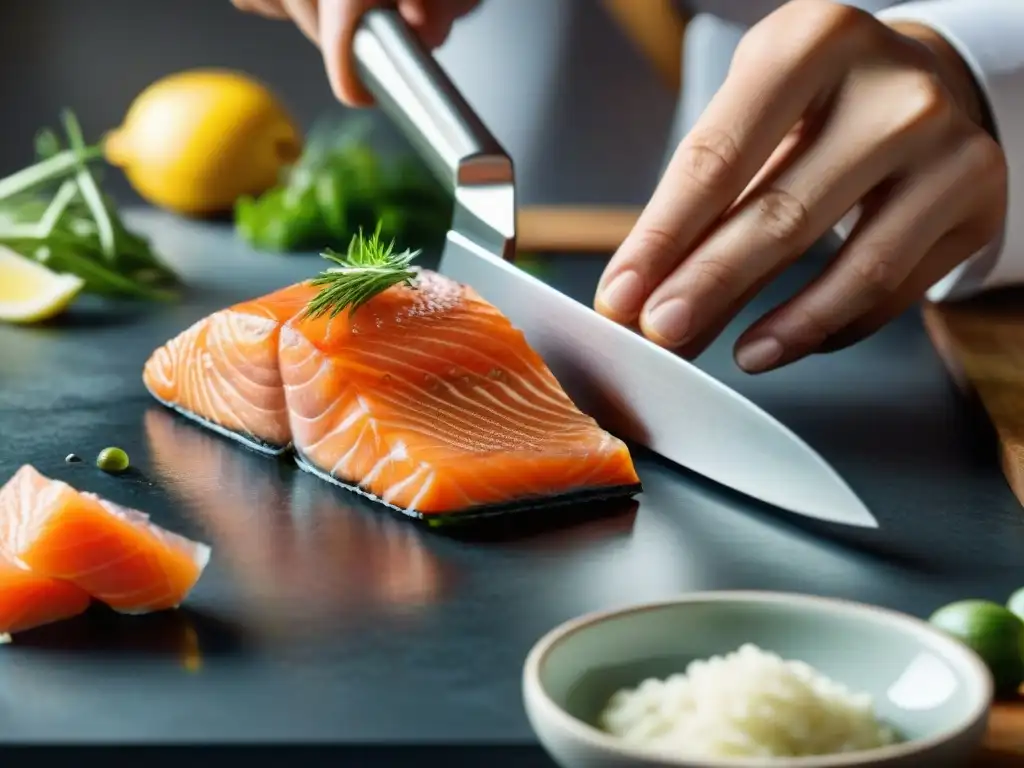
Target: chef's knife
x,y
631,386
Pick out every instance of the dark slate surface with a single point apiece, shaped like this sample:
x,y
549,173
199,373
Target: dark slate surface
x,y
321,618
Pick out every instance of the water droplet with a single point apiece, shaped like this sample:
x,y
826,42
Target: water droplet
x,y
386,378
71,458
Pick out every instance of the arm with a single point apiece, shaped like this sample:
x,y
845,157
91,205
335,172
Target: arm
x,y
988,35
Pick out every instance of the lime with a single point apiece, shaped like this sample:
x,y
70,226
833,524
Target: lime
x,y
993,632
1016,603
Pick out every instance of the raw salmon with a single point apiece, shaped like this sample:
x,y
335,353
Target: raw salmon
x,y
429,400
223,370
29,600
113,553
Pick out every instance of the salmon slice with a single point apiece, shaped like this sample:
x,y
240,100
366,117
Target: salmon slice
x,y
113,553
223,370
28,600
430,401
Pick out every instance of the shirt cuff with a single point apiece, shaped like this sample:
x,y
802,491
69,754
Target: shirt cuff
x,y
989,36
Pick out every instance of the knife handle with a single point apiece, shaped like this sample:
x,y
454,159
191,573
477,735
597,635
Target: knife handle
x,y
414,91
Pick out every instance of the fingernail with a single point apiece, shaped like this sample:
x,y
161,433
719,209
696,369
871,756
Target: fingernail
x,y
759,354
623,294
670,321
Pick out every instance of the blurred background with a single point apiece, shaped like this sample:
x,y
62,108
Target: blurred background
x,y
552,79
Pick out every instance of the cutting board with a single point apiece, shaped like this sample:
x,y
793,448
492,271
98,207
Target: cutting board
x,y
981,343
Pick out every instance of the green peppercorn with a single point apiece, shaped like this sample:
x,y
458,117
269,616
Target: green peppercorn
x,y
112,460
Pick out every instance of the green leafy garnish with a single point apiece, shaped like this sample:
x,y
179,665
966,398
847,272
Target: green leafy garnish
x,y
370,266
56,213
339,185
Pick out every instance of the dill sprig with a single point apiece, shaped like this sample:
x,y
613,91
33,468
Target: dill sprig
x,y
370,266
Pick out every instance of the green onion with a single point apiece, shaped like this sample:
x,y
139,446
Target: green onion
x,y
56,213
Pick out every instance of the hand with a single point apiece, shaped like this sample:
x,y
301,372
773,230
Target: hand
x,y
331,24
825,110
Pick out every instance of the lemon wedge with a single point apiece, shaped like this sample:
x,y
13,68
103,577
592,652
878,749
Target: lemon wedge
x,y
29,292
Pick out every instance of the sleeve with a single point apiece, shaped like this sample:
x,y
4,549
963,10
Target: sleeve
x,y
989,35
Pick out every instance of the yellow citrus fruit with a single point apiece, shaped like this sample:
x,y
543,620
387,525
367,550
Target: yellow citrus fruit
x,y
196,141
29,292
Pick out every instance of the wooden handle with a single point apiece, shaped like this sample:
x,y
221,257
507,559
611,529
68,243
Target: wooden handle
x,y
574,229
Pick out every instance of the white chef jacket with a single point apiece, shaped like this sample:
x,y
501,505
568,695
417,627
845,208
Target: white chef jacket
x,y
586,121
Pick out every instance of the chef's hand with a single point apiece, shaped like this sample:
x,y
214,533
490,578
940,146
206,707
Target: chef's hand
x,y
825,108
330,24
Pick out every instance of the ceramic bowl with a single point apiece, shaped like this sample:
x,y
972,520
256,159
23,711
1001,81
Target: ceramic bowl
x,y
931,688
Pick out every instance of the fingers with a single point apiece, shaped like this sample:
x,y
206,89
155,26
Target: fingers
x,y
270,9
946,254
768,90
433,19
916,235
339,20
305,14
337,26
779,220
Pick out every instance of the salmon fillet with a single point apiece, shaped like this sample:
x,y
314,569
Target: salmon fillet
x,y
113,553
28,600
429,400
223,370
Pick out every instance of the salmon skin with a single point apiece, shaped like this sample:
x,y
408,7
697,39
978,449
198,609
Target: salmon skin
x,y
223,372
427,400
109,552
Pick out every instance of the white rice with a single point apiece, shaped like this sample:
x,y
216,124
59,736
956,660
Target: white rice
x,y
748,703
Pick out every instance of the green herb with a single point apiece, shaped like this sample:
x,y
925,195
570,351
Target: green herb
x,y
339,185
112,460
56,213
370,266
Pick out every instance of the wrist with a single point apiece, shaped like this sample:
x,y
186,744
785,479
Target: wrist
x,y
951,69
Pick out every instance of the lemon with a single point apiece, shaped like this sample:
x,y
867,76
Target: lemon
x,y
994,633
196,141
29,292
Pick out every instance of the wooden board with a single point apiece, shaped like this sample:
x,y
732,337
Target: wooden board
x,y
1004,742
573,229
982,344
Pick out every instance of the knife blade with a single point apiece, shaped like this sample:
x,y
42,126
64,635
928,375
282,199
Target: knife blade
x,y
637,390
